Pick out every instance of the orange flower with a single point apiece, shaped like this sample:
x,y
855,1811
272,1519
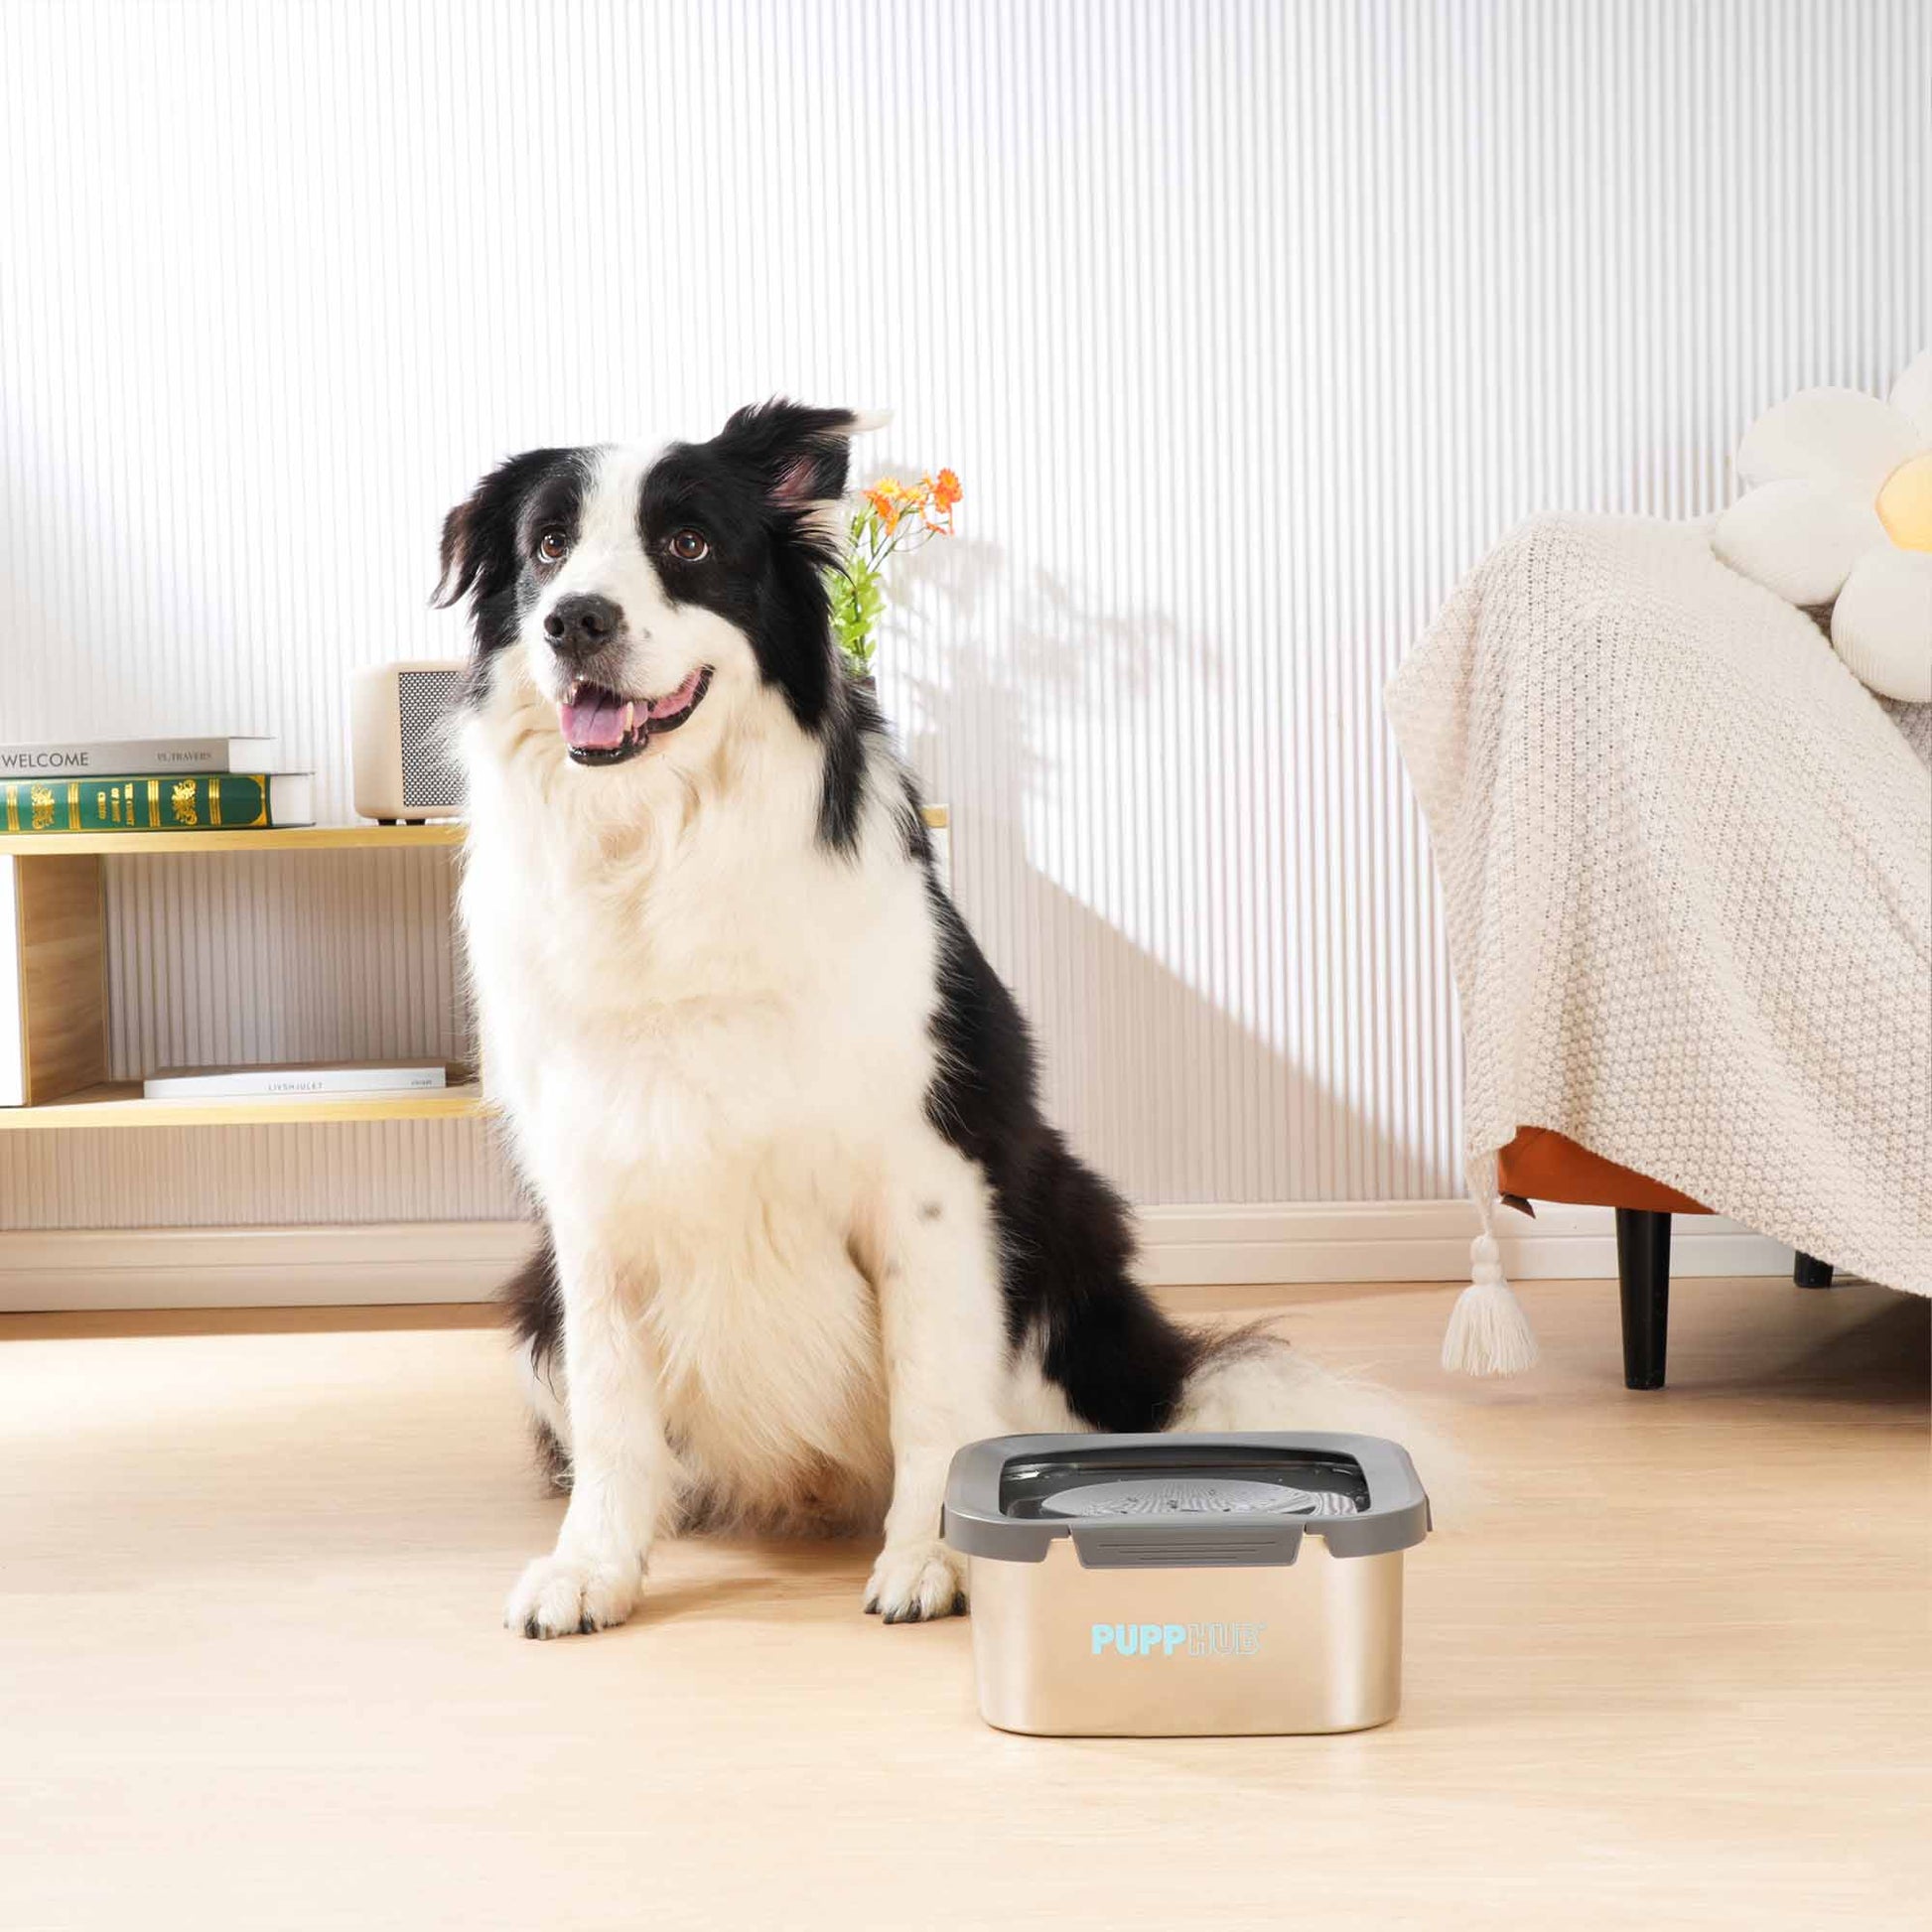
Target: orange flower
x,y
884,498
930,500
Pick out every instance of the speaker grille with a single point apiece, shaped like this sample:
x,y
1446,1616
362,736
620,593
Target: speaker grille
x,y
424,700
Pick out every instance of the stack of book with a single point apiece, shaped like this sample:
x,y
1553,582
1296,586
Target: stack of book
x,y
151,784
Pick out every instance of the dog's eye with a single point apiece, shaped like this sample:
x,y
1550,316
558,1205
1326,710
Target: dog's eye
x,y
552,545
688,546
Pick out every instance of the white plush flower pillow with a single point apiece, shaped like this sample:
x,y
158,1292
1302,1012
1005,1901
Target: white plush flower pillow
x,y
1838,511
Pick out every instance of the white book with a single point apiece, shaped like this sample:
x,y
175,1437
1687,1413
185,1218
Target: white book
x,y
120,757
309,1077
291,798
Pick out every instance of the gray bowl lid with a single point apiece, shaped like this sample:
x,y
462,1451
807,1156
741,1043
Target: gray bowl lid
x,y
1180,1500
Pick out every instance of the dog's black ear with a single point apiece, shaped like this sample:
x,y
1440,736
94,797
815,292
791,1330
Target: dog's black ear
x,y
461,554
480,536
800,455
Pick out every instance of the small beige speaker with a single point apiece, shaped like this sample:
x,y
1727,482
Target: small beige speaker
x,y
399,720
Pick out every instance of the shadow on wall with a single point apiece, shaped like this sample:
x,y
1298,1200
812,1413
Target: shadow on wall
x,y
1174,1098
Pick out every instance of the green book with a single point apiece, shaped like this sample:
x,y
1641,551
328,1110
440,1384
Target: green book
x,y
207,801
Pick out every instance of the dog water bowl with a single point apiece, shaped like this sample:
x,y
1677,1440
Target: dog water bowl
x,y
1168,1586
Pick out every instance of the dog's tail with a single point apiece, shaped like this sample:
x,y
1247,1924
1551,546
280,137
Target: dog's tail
x,y
1251,1379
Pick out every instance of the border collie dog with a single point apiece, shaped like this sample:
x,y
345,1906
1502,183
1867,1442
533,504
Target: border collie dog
x,y
805,1231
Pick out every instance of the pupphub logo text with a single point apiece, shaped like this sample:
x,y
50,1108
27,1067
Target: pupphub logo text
x,y
1177,1639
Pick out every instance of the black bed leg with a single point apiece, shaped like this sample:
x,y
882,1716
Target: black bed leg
x,y
1643,1276
1807,1271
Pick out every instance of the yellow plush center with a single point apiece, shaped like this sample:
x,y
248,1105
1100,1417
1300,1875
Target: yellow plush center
x,y
1904,505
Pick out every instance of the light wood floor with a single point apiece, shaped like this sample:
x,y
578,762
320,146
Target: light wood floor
x,y
252,1673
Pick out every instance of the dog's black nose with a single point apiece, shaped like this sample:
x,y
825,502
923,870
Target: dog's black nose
x,y
581,623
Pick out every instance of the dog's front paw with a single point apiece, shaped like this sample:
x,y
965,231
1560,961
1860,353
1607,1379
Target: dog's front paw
x,y
563,1596
912,1582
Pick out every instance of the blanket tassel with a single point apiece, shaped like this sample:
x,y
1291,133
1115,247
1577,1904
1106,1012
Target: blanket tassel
x,y
1488,1332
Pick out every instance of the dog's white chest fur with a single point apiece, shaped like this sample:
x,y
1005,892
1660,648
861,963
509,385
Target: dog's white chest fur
x,y
706,1036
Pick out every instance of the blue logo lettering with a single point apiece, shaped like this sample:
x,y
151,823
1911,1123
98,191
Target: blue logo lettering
x,y
1143,1640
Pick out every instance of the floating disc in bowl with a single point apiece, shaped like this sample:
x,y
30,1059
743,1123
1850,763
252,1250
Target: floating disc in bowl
x,y
1193,1496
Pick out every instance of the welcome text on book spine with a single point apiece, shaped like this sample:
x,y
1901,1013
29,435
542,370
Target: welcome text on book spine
x,y
71,757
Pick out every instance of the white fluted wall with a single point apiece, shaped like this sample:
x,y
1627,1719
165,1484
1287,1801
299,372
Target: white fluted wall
x,y
1249,327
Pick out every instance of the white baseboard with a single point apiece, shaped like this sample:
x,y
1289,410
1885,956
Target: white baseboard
x,y
262,1268
466,1261
1420,1241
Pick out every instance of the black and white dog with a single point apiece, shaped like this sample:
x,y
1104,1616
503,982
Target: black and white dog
x,y
806,1231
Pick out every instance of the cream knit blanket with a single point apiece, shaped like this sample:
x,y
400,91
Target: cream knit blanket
x,y
1687,863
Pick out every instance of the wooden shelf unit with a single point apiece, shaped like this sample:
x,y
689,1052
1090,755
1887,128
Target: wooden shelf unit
x,y
60,946
294,838
118,1103
60,956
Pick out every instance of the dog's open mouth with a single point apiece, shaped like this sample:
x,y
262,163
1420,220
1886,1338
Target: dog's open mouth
x,y
602,727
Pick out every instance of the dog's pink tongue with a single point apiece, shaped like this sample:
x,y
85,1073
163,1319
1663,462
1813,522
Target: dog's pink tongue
x,y
594,723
